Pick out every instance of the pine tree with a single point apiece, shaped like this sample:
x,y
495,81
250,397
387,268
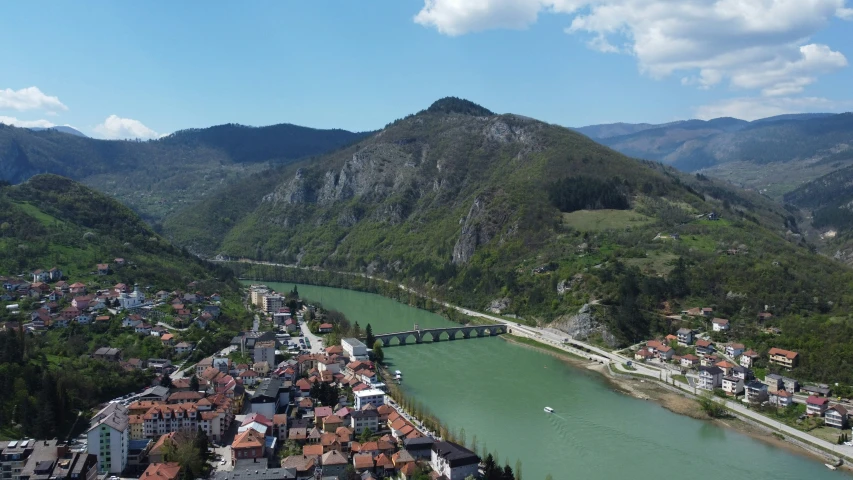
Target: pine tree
x,y
194,385
507,473
518,469
369,338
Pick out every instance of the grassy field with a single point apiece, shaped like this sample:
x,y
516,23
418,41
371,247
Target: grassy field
x,y
599,220
34,212
656,262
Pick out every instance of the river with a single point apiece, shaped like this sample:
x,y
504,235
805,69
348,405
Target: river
x,y
497,391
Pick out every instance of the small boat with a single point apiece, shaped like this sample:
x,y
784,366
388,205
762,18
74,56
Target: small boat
x,y
830,466
398,373
549,410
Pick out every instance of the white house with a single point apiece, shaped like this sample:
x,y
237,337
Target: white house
x,y
108,438
720,324
732,385
836,417
453,461
372,396
734,350
685,336
354,349
756,392
710,377
133,299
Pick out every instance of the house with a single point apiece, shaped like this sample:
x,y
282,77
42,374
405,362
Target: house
x,y
726,366
710,377
643,354
685,336
326,328
742,372
77,289
783,358
269,395
666,353
363,462
707,312
167,339
773,382
453,461
749,358
334,464
183,347
40,276
303,465
732,385
720,324
332,423
816,405
653,346
689,360
162,471
821,390
704,347
264,351
103,268
782,398
734,350
764,316
756,392
247,448
836,416
792,385
108,354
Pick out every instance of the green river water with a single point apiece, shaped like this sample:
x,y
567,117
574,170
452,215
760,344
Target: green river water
x,y
497,391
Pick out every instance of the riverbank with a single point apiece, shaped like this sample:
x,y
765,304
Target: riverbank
x,y
675,401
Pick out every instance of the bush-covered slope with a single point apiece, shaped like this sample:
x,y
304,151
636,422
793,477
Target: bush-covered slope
x,y
51,221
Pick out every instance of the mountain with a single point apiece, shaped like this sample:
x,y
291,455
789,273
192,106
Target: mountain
x,y
773,155
159,176
52,221
61,128
508,213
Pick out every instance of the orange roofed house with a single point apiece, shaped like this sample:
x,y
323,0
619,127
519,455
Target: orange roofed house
x,y
783,358
162,471
248,448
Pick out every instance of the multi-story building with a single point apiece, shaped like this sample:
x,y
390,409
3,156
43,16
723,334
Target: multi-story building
x,y
264,351
360,420
109,438
685,336
354,349
783,358
213,419
371,396
453,461
272,303
258,294
710,378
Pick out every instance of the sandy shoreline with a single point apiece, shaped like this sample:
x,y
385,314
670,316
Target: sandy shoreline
x,y
678,403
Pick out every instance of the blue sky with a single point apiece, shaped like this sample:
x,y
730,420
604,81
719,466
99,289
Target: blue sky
x,y
143,69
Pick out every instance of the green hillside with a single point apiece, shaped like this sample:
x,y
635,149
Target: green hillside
x,y
478,208
52,221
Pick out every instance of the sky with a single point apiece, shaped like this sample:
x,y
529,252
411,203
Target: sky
x,y
147,69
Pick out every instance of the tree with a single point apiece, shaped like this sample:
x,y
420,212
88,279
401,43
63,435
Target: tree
x,y
507,473
184,449
366,435
378,354
194,386
369,338
518,469
491,470
356,330
166,381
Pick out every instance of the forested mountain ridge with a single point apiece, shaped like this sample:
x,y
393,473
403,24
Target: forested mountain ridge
x,y
159,176
507,213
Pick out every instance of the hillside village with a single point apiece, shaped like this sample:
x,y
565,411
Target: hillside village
x,y
708,359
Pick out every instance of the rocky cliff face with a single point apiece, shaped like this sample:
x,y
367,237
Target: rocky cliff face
x,y
479,227
585,325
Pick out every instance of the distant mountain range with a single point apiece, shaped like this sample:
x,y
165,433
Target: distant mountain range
x,y
61,128
692,145
160,176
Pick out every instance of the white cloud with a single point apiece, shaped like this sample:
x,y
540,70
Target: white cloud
x,y
752,44
752,108
26,123
115,127
30,98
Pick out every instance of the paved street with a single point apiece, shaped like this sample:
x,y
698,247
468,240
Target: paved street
x,y
316,342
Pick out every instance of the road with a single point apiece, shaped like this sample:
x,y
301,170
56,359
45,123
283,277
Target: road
x,y
169,327
316,342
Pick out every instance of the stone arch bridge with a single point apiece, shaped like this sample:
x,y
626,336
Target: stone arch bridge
x,y
434,334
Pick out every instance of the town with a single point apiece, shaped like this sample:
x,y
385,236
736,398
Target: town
x,y
272,404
